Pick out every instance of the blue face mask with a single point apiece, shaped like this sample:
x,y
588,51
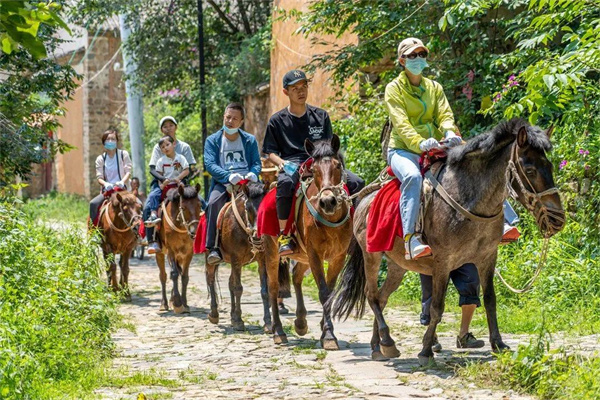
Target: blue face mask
x,y
110,145
231,131
416,65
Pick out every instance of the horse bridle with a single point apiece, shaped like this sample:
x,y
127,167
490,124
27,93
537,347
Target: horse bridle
x,y
533,199
180,217
131,224
256,242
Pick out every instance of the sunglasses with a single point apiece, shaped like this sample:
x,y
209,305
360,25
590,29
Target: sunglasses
x,y
412,56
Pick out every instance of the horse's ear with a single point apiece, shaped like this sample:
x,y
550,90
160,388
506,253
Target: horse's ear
x,y
119,197
549,131
309,146
335,143
522,136
180,190
197,187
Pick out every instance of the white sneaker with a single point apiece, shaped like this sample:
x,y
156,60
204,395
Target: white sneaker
x,y
416,249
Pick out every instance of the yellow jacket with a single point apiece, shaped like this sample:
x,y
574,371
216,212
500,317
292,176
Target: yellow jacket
x,y
417,113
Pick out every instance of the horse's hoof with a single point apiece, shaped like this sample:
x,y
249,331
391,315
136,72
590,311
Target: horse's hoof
x,y
280,339
238,326
390,351
180,310
500,347
267,329
377,356
300,327
186,310
163,307
426,361
213,320
330,344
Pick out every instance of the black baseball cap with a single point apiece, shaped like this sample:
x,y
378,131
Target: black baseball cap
x,y
294,76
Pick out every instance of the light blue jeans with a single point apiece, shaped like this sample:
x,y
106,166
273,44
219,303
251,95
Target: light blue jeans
x,y
405,166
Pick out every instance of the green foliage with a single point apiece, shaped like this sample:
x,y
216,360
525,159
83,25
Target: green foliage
x,y
56,206
55,311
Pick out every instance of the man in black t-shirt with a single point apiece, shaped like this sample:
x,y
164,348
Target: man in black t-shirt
x,y
284,144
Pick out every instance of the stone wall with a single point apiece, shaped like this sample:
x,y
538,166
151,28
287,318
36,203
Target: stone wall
x,y
291,51
257,113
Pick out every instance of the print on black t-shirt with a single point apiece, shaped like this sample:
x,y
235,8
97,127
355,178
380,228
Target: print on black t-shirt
x,y
286,133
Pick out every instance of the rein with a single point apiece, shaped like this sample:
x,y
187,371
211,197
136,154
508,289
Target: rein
x,y
180,216
131,224
255,242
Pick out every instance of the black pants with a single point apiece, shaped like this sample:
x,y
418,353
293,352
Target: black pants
x,y
216,200
95,204
286,185
466,281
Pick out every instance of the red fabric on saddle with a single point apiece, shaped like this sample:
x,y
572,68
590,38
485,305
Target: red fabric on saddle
x,y
142,230
429,158
384,217
200,241
166,189
267,222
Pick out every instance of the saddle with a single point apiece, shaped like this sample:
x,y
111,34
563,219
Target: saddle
x,y
384,215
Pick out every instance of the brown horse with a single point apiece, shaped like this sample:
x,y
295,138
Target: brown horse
x,y
475,176
323,230
180,214
118,222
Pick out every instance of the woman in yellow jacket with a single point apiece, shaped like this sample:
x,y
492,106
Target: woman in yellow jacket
x,y
421,117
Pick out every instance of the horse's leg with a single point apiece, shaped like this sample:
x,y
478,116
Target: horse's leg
x,y
264,295
176,302
272,264
236,289
185,279
111,273
328,339
162,273
300,324
387,346
392,281
124,281
486,272
211,272
440,285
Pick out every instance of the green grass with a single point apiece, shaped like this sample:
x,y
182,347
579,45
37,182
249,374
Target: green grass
x,y
58,206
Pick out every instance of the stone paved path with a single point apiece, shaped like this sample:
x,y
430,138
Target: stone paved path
x,y
197,359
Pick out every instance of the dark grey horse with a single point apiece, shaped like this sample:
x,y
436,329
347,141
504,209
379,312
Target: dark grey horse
x,y
475,175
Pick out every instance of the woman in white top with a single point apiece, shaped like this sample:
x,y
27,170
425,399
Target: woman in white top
x,y
113,169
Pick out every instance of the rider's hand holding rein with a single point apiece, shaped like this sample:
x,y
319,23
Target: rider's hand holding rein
x,y
251,176
235,178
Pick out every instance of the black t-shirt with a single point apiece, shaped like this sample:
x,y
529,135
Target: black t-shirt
x,y
286,133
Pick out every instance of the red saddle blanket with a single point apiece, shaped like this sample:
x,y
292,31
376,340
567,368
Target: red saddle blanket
x,y
200,240
384,217
267,222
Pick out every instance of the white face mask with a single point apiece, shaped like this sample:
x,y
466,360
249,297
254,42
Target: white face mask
x,y
230,131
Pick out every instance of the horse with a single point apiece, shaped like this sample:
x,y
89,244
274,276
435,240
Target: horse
x,y
181,213
475,176
240,246
118,222
323,230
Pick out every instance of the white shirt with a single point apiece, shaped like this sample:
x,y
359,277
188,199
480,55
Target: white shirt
x,y
233,155
111,169
171,168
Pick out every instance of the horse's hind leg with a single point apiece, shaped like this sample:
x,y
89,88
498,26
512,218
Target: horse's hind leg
x,y
300,324
440,285
160,261
236,289
486,273
124,281
264,295
111,271
211,272
392,281
176,302
185,279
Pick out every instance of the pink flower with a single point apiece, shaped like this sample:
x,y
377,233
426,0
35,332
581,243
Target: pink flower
x,y
584,152
498,97
563,164
586,167
468,91
471,75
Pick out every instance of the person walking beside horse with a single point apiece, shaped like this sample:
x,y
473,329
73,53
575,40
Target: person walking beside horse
x,y
168,126
286,133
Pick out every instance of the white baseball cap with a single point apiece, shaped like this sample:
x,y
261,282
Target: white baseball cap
x,y
165,119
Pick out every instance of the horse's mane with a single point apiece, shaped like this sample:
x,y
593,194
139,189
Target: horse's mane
x,y
189,192
255,190
323,149
487,142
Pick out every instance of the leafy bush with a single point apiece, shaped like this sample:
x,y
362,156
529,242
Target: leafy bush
x,y
63,207
55,311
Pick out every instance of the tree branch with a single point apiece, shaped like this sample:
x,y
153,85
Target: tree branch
x,y
223,16
244,17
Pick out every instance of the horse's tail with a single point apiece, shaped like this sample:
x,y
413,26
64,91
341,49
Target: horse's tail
x,y
284,279
349,293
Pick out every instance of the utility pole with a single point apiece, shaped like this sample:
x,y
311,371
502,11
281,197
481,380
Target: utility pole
x,y
135,109
202,90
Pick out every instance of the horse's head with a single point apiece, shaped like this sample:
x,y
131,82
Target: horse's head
x,y
255,192
328,173
128,208
190,209
531,180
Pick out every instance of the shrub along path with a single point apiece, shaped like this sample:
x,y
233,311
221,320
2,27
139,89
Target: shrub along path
x,y
184,357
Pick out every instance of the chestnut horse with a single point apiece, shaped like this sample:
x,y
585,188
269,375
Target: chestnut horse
x,y
118,222
181,213
323,230
475,176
